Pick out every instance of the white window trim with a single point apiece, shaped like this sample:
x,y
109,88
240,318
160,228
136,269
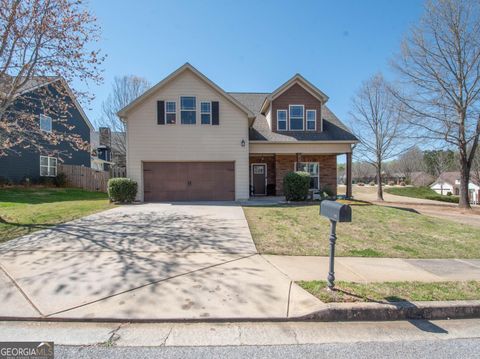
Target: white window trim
x,y
195,110
303,118
48,166
205,113
286,120
167,112
318,176
314,120
42,116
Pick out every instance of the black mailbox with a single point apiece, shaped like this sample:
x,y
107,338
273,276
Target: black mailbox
x,y
336,211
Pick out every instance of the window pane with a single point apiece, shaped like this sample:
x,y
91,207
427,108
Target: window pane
x,y
205,119
296,111
53,161
313,182
188,103
188,117
205,107
282,125
311,115
171,106
310,125
43,161
43,171
282,115
45,123
296,123
171,118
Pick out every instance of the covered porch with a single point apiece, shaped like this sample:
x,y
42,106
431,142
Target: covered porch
x,y
267,169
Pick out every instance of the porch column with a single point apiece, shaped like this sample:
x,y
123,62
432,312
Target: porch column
x,y
349,175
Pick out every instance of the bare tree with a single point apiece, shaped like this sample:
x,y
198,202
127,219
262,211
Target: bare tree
x,y
377,123
476,166
125,89
362,171
43,41
410,161
439,67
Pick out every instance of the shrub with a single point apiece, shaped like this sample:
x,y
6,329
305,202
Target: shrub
x,y
296,186
361,184
122,190
326,192
449,193
61,180
391,183
402,184
371,183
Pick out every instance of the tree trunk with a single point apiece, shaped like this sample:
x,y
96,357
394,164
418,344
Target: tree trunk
x,y
379,184
464,180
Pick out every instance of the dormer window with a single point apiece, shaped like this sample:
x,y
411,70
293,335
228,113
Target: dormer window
x,y
281,120
311,120
45,123
296,117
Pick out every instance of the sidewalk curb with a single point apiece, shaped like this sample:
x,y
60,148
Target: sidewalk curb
x,y
335,312
397,311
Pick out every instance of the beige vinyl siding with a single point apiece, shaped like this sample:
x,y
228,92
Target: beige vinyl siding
x,y
295,147
148,141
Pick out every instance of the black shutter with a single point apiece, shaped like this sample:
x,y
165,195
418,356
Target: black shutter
x,y
160,112
215,115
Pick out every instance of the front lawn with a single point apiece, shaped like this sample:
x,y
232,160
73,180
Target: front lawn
x,y
393,291
375,231
421,192
27,210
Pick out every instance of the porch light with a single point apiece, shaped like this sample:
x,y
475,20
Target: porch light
x,y
243,143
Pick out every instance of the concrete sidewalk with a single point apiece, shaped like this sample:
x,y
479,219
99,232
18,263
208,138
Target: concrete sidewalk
x,y
364,270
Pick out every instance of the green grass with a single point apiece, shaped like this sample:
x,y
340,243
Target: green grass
x,y
421,192
393,291
375,231
23,211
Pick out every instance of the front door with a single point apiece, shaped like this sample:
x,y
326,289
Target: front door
x,y
259,172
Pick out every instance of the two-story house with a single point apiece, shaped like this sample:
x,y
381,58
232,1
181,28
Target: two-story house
x,y
47,107
188,139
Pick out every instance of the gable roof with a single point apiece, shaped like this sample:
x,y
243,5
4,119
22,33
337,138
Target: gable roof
x,y
186,67
452,177
37,82
296,79
333,128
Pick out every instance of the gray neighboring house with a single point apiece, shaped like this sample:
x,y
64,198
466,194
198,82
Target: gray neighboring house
x,y
23,163
108,149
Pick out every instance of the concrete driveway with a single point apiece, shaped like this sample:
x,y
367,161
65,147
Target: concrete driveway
x,y
149,261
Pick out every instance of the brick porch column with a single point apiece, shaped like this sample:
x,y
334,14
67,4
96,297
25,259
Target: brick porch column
x,y
349,175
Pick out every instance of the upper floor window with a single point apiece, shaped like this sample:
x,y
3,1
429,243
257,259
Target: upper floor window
x,y
311,119
188,110
296,117
48,166
205,113
45,123
170,112
281,120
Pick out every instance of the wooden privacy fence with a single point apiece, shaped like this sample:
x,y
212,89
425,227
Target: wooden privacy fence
x,y
85,177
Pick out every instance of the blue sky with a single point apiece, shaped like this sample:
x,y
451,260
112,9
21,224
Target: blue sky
x,y
254,45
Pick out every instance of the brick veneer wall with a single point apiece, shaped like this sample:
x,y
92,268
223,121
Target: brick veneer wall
x,y
328,169
296,95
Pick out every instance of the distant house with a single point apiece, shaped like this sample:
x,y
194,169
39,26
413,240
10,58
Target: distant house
x,y
421,179
42,97
449,183
108,149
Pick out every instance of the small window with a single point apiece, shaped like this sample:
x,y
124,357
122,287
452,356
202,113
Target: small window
x,y
296,117
48,166
311,120
205,113
282,120
45,123
170,112
188,113
313,169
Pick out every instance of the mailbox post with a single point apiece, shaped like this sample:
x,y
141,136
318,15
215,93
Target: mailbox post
x,y
335,212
